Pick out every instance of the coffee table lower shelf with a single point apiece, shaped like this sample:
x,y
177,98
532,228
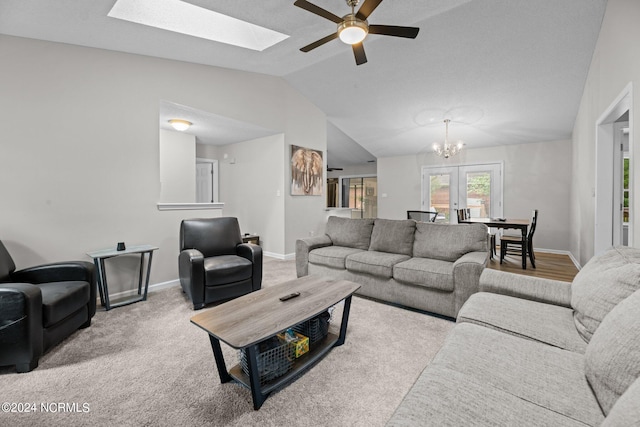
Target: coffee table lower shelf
x,y
300,365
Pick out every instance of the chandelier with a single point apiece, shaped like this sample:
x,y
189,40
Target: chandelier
x,y
447,150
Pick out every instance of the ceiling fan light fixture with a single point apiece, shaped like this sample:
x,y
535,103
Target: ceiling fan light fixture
x,y
180,125
352,30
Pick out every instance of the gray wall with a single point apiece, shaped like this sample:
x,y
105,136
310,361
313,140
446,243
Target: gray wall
x,y
536,176
79,162
615,64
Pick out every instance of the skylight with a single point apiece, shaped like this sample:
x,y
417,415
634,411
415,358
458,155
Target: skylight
x,y
186,18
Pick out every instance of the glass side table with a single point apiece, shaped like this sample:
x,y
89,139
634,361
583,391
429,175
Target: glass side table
x,y
98,260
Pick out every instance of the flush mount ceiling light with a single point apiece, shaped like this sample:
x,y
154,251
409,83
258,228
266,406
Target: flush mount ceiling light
x,y
186,18
179,124
447,150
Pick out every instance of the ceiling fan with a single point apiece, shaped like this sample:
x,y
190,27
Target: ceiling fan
x,y
353,27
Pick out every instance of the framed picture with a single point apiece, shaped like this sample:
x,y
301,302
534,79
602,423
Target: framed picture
x,y
307,171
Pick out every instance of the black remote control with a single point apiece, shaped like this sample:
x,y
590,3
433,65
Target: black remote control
x,y
287,297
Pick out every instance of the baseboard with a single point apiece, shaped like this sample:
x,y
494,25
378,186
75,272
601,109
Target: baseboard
x,y
284,257
555,251
152,288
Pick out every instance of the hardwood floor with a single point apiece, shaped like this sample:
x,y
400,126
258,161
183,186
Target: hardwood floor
x,y
549,266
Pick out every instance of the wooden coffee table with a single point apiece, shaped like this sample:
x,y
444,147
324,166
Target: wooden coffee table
x,y
245,321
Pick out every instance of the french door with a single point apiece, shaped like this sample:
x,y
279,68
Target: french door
x,y
475,187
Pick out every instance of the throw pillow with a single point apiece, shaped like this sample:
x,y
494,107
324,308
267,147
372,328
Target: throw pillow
x,y
393,236
448,242
352,233
601,284
612,359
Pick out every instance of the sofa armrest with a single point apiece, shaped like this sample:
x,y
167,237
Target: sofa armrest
x,y
191,273
254,254
466,276
20,325
532,288
56,272
81,271
303,247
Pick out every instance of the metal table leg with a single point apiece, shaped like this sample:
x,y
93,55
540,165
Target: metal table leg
x,y
217,354
254,377
345,320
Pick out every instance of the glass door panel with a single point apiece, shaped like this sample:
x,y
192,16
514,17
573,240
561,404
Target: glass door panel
x,y
361,195
478,194
474,187
440,195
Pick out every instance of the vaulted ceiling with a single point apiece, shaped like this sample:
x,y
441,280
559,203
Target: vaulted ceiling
x,y
504,71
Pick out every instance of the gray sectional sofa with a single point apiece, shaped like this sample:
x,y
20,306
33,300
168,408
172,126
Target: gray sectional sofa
x,y
535,352
423,265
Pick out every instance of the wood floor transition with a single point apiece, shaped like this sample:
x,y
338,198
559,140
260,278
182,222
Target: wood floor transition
x,y
549,266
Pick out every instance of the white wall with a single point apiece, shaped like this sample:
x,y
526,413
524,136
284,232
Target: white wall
x,y
177,167
252,188
615,63
79,162
536,176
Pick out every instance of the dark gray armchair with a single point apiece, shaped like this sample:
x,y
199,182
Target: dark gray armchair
x,y
214,264
40,306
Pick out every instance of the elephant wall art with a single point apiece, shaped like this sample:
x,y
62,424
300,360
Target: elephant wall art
x,y
306,172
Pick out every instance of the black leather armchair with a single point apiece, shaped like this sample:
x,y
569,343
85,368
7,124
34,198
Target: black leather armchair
x,y
214,264
40,306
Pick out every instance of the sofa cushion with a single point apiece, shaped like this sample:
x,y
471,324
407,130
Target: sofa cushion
x,y
352,233
626,411
448,242
393,236
612,359
332,256
545,323
225,269
61,299
541,374
601,284
430,273
445,397
375,263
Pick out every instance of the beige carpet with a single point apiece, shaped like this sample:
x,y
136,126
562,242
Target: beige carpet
x,y
147,365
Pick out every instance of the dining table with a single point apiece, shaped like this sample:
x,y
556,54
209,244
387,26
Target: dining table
x,y
518,224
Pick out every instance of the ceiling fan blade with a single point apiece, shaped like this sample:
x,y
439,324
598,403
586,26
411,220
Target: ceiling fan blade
x,y
358,52
304,4
319,43
367,8
392,30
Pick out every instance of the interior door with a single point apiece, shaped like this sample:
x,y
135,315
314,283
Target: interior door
x,y
204,182
474,187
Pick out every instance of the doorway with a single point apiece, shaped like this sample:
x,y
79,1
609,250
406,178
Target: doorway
x,y
206,180
477,187
360,193
614,204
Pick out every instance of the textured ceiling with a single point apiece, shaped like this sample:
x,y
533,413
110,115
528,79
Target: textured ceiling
x,y
504,71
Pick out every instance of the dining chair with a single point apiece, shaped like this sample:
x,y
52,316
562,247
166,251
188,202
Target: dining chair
x,y
463,214
422,216
513,244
